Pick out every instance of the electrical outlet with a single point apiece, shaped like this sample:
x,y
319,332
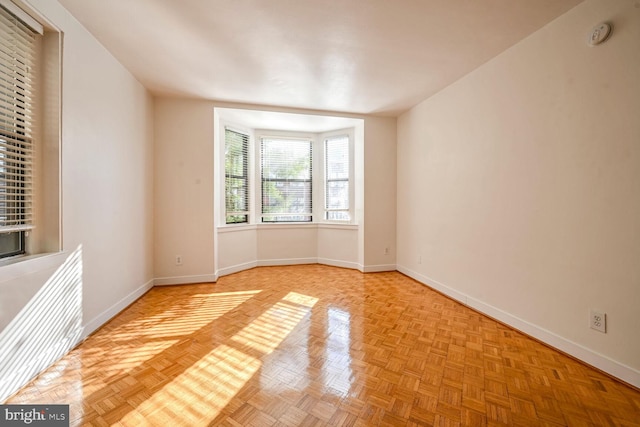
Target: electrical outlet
x,y
419,259
178,259
598,320
386,251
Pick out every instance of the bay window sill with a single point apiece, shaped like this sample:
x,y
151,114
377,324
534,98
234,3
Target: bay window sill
x,y
230,228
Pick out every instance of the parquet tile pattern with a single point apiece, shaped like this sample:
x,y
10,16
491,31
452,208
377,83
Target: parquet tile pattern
x,y
321,346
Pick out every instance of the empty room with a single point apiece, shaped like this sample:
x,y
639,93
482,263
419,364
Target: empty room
x,y
320,212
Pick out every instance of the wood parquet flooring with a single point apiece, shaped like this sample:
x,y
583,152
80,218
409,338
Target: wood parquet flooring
x,y
321,346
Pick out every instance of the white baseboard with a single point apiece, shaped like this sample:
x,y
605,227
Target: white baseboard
x,y
236,268
339,263
106,315
298,261
286,261
185,280
593,358
377,268
434,284
264,263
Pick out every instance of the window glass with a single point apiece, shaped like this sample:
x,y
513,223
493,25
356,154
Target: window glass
x,y
337,178
286,174
236,183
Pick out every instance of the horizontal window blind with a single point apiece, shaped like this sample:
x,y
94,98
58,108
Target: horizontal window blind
x,y
337,178
17,80
286,174
236,158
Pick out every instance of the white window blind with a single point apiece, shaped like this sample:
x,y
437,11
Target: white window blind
x,y
286,180
337,178
17,80
236,165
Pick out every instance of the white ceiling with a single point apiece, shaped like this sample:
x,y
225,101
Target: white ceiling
x,y
273,120
358,56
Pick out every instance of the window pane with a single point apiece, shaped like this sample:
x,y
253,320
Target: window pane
x,y
236,177
337,150
338,215
286,180
11,244
338,195
337,178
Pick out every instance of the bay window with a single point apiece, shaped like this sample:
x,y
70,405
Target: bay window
x,y
287,177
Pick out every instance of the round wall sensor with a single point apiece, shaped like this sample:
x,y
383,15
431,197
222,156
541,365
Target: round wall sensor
x,y
598,34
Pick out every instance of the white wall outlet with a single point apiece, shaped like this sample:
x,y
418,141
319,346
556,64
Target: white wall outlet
x,y
178,259
419,259
386,251
598,320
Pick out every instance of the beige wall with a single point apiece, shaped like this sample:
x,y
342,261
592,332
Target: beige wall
x,y
237,250
338,246
287,244
107,173
184,204
183,194
241,248
380,194
107,181
518,187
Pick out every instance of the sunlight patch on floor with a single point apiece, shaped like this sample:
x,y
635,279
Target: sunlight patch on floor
x,y
193,399
267,332
203,390
135,342
184,319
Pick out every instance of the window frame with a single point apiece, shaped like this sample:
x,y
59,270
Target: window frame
x,y
246,176
17,134
323,137
45,237
318,162
260,217
327,180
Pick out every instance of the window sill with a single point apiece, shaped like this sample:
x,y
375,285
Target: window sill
x,y
15,267
338,225
230,228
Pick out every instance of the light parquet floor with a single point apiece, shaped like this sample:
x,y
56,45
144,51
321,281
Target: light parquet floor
x,y
321,346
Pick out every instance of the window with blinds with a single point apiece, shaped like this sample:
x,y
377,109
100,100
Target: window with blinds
x,y
17,79
336,151
286,179
236,180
